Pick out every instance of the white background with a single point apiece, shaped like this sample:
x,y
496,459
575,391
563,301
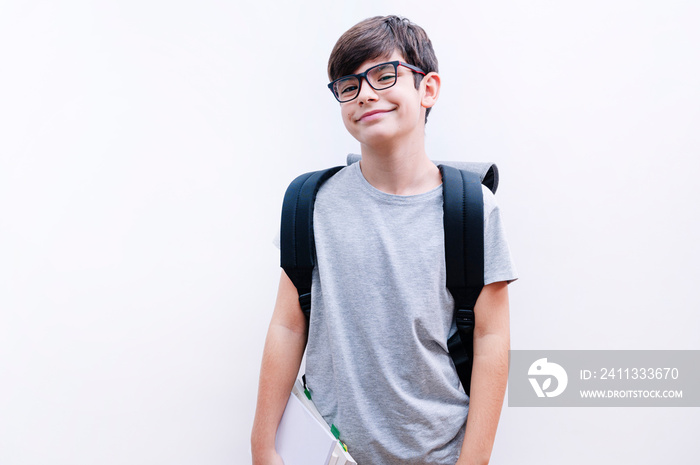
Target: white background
x,y
145,147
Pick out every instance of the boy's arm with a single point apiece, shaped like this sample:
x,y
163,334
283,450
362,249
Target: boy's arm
x,y
489,373
284,349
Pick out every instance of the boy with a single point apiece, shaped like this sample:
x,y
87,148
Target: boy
x,y
381,315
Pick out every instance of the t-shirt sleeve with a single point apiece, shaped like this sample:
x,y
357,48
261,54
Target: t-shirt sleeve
x,y
498,263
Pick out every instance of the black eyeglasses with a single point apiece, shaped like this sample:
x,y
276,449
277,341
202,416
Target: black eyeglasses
x,y
379,77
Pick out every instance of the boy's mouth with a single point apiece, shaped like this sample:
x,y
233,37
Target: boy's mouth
x,y
370,115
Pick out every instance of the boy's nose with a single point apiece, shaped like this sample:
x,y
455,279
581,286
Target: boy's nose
x,y
366,93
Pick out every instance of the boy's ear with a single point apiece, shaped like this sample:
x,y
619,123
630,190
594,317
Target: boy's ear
x,y
431,85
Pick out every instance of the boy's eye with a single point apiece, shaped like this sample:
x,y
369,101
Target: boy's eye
x,y
346,87
383,75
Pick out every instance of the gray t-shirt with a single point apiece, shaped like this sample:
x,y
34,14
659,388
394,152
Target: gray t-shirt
x,y
377,362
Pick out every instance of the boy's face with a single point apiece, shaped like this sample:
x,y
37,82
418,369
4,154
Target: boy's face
x,y
380,117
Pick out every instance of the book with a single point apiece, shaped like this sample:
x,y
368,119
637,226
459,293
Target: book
x,y
304,437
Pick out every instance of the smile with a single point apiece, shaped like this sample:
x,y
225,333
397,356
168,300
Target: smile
x,y
373,115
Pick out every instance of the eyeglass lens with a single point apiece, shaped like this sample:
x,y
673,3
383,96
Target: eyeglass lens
x,y
379,77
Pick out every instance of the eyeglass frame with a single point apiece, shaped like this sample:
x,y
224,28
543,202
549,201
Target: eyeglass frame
x,y
362,76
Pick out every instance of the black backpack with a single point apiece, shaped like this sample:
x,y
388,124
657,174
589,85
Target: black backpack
x,y
463,221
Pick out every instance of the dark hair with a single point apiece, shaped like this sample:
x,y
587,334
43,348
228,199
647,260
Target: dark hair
x,y
378,37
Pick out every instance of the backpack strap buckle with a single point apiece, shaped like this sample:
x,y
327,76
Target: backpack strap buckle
x,y
465,317
305,303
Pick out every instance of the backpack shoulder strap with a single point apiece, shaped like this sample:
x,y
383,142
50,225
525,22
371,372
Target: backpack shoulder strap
x,y
297,250
463,219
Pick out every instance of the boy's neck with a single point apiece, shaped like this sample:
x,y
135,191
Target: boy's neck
x,y
401,169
